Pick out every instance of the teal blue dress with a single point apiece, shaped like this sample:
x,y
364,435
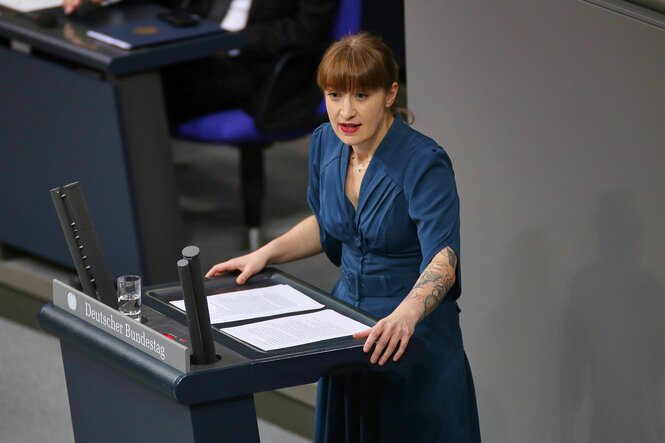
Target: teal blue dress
x,y
408,211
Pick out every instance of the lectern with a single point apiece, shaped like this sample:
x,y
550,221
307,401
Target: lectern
x,y
123,386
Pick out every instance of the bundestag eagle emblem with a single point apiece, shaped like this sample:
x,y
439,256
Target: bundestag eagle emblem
x,y
71,301
145,30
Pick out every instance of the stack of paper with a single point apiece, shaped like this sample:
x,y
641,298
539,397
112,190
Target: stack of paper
x,y
296,330
284,332
30,5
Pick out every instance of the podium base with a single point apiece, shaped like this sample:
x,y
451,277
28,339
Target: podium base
x,y
122,409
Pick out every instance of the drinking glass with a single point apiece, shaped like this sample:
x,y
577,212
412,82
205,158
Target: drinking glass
x,y
129,296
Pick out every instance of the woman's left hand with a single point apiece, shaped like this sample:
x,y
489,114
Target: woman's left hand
x,y
391,334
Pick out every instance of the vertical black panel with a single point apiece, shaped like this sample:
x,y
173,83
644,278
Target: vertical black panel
x,y
386,19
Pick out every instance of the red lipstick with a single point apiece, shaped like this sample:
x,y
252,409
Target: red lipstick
x,y
348,128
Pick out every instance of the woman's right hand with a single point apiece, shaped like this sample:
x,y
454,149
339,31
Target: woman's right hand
x,y
299,242
248,265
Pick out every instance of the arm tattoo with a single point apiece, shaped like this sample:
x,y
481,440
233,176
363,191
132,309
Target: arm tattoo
x,y
436,280
452,258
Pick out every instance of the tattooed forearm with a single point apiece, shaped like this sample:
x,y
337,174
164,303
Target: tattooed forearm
x,y
436,280
439,290
452,258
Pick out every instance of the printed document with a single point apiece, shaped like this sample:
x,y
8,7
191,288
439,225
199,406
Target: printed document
x,y
30,5
296,330
256,303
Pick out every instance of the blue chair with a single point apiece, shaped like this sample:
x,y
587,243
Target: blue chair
x,y
236,128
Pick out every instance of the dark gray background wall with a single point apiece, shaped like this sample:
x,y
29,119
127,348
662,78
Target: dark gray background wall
x,y
554,115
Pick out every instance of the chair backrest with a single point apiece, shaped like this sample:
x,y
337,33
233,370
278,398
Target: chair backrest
x,y
348,19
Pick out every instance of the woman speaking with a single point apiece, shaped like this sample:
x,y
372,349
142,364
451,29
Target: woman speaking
x,y
386,210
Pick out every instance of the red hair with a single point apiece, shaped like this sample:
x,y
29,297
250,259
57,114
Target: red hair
x,y
357,62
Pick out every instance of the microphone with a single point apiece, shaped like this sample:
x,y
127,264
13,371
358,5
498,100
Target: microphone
x,y
196,307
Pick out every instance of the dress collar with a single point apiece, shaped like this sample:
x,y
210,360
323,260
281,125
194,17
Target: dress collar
x,y
387,159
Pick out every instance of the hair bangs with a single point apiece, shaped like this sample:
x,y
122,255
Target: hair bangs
x,y
346,68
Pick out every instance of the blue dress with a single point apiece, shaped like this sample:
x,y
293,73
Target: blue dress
x,y
408,211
